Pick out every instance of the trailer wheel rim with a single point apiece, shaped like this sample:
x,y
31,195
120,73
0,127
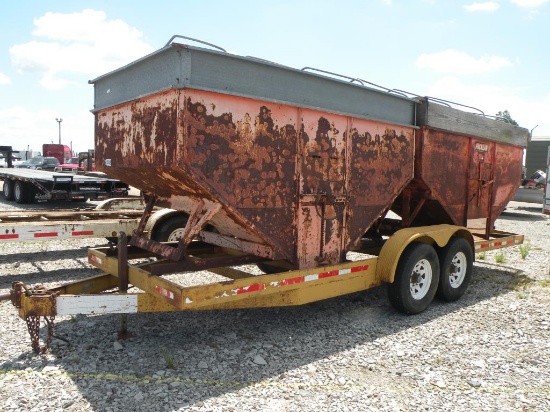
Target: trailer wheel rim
x,y
457,270
421,279
17,191
176,235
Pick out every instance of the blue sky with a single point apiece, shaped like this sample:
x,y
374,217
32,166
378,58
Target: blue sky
x,y
493,55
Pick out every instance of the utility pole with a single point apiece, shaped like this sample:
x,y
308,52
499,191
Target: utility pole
x,y
531,132
59,120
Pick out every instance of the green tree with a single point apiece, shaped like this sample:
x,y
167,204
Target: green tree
x,y
505,117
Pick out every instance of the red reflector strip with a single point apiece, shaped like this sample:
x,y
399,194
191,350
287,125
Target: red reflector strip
x,y
165,292
496,244
256,287
10,236
292,281
328,274
95,259
252,288
46,234
83,233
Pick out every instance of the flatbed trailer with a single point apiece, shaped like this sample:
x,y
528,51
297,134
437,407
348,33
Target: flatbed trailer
x,y
293,173
28,186
107,219
22,226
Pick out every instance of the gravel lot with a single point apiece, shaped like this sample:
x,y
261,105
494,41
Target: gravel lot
x,y
490,351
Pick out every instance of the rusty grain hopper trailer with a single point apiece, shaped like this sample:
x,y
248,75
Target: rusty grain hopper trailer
x,y
296,172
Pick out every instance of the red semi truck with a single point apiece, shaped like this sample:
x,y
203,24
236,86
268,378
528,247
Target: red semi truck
x,y
61,152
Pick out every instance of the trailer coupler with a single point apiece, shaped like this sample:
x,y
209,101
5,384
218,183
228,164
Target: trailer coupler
x,y
34,304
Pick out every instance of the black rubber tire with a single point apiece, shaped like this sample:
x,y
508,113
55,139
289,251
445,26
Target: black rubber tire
x,y
417,265
166,230
8,189
456,261
20,192
171,228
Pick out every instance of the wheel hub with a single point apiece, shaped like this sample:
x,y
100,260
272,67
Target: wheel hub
x,y
457,271
421,279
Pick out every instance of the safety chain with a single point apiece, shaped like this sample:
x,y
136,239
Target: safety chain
x,y
33,325
15,293
33,321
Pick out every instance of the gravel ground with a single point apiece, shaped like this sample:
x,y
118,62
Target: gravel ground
x,y
490,351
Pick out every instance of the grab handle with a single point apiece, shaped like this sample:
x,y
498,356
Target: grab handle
x,y
351,79
192,39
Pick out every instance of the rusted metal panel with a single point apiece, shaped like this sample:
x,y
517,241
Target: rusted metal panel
x,y
481,178
300,171
352,171
140,135
507,174
245,152
305,183
322,187
380,166
467,177
442,164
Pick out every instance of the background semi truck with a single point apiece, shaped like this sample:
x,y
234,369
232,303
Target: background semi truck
x,y
61,152
327,184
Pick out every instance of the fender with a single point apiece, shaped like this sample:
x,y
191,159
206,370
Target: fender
x,y
393,248
158,216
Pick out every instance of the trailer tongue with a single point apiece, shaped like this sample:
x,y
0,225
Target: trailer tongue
x,y
293,171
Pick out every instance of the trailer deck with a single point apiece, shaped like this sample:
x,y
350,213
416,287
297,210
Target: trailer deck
x,y
236,288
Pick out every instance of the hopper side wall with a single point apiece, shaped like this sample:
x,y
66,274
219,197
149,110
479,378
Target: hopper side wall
x,y
307,183
470,177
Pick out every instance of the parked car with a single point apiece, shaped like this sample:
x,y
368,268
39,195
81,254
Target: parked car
x,y
70,166
40,163
77,164
537,180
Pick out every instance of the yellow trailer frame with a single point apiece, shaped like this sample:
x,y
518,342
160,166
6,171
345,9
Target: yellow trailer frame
x,y
240,290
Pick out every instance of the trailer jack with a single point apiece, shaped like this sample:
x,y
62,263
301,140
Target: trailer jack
x,y
34,304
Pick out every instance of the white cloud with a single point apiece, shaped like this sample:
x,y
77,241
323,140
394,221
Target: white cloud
x,y
48,81
456,62
22,128
486,6
490,99
528,3
4,79
83,43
